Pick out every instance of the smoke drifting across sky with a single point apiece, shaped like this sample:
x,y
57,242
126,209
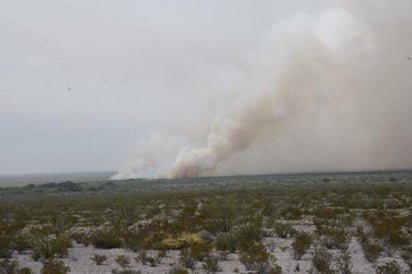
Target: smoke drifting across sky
x,y
327,90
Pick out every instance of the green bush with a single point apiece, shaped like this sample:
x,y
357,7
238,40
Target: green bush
x,y
80,238
186,259
344,264
226,241
7,234
47,246
322,260
8,267
200,251
106,239
150,236
284,230
291,213
301,244
407,256
211,265
133,239
389,268
54,267
248,233
12,267
222,217
177,269
371,250
275,270
389,228
126,271
255,257
21,243
333,237
6,246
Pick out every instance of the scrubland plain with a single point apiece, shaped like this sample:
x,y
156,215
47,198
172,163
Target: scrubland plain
x,y
330,223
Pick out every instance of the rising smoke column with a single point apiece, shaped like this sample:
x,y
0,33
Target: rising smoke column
x,y
303,68
330,91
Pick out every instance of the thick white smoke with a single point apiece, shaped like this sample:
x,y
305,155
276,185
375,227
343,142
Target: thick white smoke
x,y
330,91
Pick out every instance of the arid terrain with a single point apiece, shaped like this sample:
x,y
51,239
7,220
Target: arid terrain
x,y
314,223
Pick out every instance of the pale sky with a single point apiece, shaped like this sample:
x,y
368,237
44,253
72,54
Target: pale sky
x,y
81,81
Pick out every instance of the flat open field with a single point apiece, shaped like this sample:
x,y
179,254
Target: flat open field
x,y
317,223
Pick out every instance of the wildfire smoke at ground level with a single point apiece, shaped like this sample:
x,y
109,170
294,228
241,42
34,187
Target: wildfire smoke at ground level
x,y
325,91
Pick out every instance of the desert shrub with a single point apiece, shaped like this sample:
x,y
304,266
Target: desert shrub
x,y
54,267
80,238
184,240
333,237
301,244
122,260
255,257
189,209
226,241
276,269
389,268
370,249
25,270
21,243
144,258
47,246
148,236
125,214
178,269
322,260
200,251
211,265
328,213
284,230
7,239
407,256
132,239
12,267
98,259
222,217
135,240
8,267
248,233
344,264
186,259
105,239
6,246
59,223
389,228
291,213
126,271
269,209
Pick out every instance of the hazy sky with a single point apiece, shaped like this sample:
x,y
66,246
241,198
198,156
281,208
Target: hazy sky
x,y
84,83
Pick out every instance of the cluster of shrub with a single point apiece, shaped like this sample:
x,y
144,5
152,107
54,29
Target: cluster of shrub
x,y
206,225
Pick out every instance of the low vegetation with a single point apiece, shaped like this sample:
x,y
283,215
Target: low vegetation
x,y
207,219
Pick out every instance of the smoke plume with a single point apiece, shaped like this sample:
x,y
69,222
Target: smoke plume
x,y
328,91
